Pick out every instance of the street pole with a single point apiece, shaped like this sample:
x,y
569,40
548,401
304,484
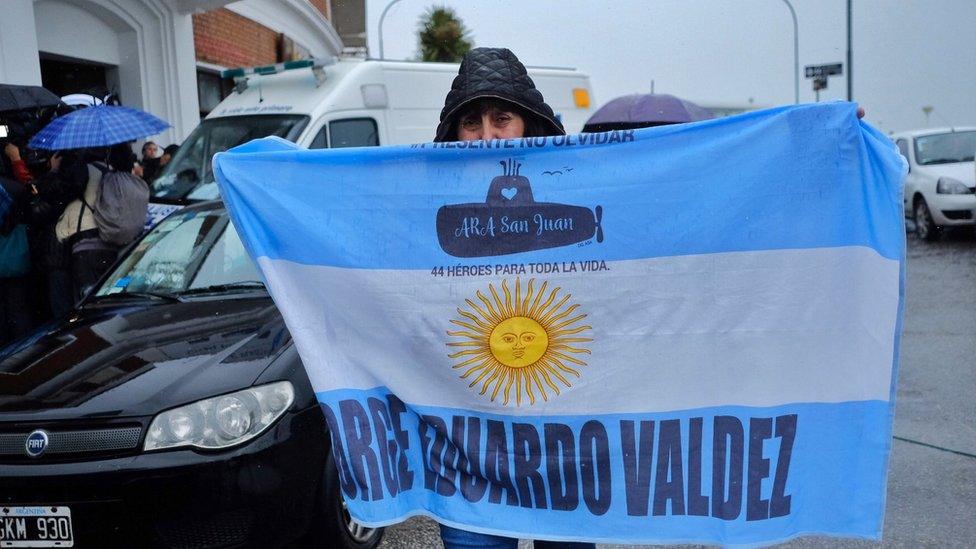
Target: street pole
x,y
796,54
850,54
382,17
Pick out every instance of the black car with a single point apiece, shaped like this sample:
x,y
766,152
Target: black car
x,y
170,409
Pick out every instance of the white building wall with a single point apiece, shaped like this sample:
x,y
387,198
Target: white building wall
x,y
147,45
19,62
69,30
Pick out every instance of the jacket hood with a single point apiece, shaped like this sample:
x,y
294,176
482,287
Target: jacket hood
x,y
497,74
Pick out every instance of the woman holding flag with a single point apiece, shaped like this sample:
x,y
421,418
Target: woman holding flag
x,y
493,97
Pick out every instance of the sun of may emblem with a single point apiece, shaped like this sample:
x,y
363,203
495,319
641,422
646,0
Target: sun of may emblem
x,y
519,342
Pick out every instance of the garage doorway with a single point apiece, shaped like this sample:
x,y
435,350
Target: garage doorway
x,y
65,76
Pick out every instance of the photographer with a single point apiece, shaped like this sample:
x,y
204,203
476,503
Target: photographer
x,y
150,162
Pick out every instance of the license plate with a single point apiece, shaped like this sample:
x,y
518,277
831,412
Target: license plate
x,y
36,527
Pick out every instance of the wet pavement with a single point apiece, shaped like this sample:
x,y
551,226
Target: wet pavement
x,y
931,498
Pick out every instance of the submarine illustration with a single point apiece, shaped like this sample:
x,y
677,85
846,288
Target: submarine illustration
x,y
511,221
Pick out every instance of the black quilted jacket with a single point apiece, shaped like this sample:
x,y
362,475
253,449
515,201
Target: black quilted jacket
x,y
493,73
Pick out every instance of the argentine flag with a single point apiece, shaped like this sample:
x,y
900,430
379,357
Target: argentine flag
x,y
678,334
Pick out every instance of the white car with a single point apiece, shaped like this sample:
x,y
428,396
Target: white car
x,y
939,189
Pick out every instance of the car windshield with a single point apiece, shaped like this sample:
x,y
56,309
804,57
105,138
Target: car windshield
x,y
189,173
945,148
187,251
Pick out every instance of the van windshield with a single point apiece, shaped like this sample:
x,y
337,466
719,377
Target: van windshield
x,y
190,168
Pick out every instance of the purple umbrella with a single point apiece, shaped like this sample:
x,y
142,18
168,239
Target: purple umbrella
x,y
643,110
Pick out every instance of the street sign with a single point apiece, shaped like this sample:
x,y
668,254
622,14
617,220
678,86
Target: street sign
x,y
816,71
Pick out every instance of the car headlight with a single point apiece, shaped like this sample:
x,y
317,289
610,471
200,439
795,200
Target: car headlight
x,y
948,185
222,421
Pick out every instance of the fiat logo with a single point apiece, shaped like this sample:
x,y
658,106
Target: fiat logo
x,y
36,443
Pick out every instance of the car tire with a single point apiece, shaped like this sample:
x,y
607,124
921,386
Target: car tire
x,y
925,227
333,527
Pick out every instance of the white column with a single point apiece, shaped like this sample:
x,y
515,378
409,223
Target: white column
x,y
185,59
19,62
158,74
156,60
171,78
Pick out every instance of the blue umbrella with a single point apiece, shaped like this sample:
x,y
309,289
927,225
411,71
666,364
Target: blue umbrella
x,y
98,126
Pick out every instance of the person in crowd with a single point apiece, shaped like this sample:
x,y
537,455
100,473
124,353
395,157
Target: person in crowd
x,y
63,183
150,162
24,290
84,224
168,153
160,163
15,311
49,189
150,151
482,106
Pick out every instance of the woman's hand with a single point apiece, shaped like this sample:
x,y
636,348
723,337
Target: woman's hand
x,y
12,152
55,161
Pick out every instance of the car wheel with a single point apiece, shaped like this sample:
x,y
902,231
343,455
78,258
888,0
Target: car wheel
x,y
336,528
925,227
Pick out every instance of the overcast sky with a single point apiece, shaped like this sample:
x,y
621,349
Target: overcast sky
x,y
907,53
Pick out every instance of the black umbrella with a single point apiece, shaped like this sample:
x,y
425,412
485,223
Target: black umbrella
x,y
644,110
17,98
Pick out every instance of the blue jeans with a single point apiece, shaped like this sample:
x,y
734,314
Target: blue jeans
x,y
454,538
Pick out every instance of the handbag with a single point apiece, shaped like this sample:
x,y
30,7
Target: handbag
x,y
14,253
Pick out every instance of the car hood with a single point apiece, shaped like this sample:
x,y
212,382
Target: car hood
x,y
124,359
962,171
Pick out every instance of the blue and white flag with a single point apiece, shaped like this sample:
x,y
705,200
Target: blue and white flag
x,y
678,334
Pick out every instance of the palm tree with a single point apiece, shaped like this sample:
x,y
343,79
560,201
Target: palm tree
x,y
443,37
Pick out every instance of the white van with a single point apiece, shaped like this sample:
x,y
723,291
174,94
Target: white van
x,y
344,102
